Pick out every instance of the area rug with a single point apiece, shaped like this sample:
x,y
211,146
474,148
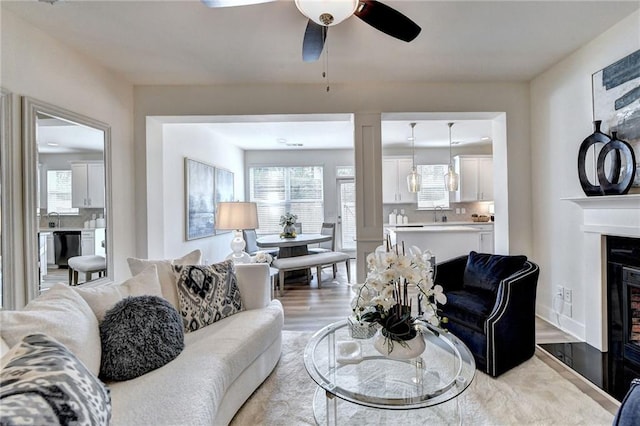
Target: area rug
x,y
530,394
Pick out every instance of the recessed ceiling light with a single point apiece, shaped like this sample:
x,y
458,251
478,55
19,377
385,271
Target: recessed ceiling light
x,y
486,138
411,139
281,140
53,144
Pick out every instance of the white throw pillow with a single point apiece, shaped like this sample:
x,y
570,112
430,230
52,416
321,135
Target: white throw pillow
x,y
165,272
63,314
104,297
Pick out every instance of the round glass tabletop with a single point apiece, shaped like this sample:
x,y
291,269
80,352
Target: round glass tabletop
x,y
353,370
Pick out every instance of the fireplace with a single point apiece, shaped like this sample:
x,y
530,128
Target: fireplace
x,y
631,315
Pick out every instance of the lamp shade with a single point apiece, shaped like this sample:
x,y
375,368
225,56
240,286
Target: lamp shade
x,y
237,215
327,12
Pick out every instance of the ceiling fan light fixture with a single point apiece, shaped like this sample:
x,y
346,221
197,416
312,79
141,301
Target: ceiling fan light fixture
x,y
327,12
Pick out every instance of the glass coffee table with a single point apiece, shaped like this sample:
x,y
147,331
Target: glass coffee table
x,y
353,378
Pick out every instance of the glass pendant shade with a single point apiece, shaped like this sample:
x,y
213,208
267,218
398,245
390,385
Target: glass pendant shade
x,y
414,180
327,12
451,179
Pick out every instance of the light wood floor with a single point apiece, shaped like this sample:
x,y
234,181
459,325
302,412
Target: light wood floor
x,y
309,308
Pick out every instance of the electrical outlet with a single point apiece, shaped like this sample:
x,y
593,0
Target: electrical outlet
x,y
567,295
463,210
560,292
457,210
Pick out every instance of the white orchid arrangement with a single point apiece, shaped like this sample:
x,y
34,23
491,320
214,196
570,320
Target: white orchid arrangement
x,y
262,257
385,296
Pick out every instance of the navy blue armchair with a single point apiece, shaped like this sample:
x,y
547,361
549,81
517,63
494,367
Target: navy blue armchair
x,y
629,412
491,307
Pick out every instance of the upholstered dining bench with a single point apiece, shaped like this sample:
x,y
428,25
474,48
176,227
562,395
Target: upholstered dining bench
x,y
316,260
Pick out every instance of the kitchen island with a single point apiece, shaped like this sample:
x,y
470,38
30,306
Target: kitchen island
x,y
444,242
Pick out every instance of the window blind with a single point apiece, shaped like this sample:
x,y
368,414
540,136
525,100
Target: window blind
x,y
297,189
59,192
433,192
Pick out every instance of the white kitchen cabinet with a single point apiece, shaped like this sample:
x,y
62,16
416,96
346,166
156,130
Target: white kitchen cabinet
x,y
51,253
485,237
476,177
87,184
394,181
92,241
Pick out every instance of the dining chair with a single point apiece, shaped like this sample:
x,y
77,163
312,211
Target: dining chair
x,y
328,228
250,238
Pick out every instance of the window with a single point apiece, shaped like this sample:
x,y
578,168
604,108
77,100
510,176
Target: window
x,y
59,192
277,190
433,192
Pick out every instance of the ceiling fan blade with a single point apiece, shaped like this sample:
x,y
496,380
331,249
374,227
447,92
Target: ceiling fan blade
x,y
229,3
387,19
313,43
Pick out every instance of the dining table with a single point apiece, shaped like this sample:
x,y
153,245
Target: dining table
x,y
289,247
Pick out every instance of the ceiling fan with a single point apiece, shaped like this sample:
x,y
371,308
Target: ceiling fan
x,y
323,14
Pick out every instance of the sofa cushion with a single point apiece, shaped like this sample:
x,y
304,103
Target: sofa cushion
x,y
104,297
44,383
63,314
470,307
165,273
207,294
485,271
139,334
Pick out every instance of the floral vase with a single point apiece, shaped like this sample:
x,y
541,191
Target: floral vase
x,y
399,349
289,231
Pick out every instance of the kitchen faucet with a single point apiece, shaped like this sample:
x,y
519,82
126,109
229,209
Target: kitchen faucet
x,y
435,212
58,219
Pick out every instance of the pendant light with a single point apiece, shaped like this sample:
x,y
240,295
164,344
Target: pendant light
x,y
414,180
451,179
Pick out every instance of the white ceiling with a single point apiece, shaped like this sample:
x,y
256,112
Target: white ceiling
x,y
184,42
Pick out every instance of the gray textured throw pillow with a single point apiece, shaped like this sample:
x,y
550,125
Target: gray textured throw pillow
x,y
207,294
139,334
43,383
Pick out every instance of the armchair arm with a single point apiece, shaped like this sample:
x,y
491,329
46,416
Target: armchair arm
x,y
510,328
254,283
450,273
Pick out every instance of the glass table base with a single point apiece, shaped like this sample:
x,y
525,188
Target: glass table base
x,y
331,410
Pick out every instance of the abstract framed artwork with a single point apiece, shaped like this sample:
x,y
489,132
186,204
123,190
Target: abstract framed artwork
x,y
224,191
200,199
616,103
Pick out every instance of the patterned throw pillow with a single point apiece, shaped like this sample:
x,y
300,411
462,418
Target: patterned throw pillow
x,y
44,383
207,294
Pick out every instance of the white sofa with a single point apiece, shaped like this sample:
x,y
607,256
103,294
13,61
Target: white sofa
x,y
220,367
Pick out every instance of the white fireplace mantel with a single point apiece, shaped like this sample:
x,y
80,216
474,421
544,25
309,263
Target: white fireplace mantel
x,y
617,215
628,201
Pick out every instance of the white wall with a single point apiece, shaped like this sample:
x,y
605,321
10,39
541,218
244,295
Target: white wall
x,y
198,143
35,64
561,117
512,98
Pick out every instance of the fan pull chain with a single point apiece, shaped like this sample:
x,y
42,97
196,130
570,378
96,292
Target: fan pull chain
x,y
325,72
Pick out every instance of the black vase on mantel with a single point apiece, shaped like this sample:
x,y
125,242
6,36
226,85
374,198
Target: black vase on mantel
x,y
596,137
620,183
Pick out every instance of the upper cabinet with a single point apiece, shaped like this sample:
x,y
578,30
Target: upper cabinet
x,y
87,182
476,177
394,181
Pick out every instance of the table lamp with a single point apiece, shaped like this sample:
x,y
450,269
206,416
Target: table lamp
x,y
237,216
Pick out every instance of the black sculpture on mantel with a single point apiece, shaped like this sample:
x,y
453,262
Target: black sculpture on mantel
x,y
619,183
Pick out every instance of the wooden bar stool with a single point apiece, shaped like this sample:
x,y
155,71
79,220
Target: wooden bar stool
x,y
87,264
